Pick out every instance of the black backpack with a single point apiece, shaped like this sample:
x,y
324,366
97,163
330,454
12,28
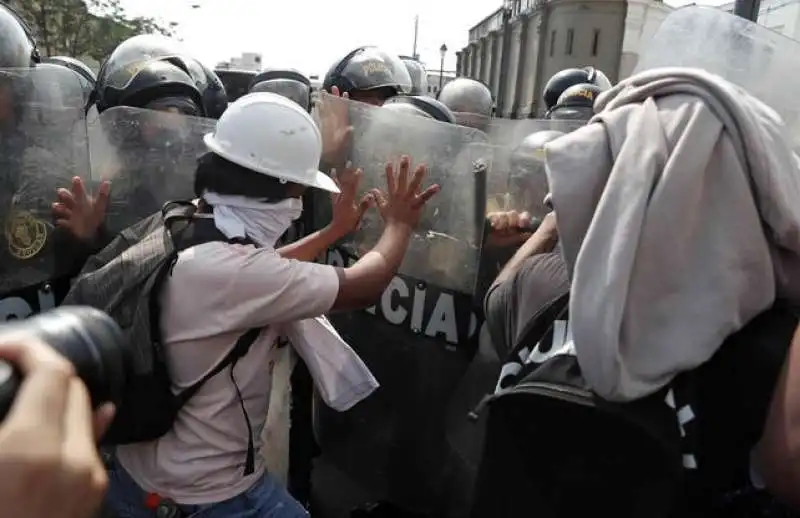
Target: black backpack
x,y
555,449
125,281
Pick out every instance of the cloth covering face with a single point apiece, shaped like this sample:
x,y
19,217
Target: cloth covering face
x,y
679,218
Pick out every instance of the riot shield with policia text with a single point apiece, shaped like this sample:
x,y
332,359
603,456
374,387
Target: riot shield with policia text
x,y
419,336
43,144
150,158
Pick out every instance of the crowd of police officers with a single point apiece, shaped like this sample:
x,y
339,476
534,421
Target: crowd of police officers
x,y
149,73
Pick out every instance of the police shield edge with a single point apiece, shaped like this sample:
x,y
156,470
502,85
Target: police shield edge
x,y
516,177
43,144
744,53
444,250
150,158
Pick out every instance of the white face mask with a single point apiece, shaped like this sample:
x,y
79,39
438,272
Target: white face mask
x,y
264,223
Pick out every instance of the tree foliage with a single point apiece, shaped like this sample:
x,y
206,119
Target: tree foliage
x,y
81,28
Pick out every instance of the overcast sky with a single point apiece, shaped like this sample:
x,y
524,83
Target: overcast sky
x,y
310,34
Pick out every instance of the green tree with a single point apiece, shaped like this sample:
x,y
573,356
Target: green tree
x,y
84,27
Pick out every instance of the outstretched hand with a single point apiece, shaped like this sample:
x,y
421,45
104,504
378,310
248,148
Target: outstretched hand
x,y
348,208
404,200
78,211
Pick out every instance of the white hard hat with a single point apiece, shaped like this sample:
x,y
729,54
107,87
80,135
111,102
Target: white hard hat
x,y
272,135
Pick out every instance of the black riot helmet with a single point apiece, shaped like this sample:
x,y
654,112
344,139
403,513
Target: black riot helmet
x,y
17,46
286,82
576,103
570,77
86,75
419,76
527,174
422,106
370,75
215,98
469,100
155,72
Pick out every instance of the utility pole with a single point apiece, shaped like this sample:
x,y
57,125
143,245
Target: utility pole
x,y
416,35
747,9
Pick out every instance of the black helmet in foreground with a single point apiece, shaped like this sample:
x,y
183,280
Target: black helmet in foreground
x,y
17,46
155,72
369,74
287,82
576,103
570,77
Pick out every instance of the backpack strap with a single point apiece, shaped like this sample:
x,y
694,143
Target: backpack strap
x,y
239,350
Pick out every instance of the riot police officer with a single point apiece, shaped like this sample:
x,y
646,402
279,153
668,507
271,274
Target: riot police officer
x,y
154,72
369,75
39,113
287,82
576,103
86,76
419,76
562,80
469,100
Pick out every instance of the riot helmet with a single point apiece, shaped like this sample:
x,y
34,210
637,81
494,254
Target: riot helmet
x,y
527,175
237,82
215,97
419,76
421,106
86,75
286,82
576,103
154,72
17,47
469,100
562,80
370,75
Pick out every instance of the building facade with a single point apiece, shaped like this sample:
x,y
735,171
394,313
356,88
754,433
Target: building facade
x,y
781,16
519,46
248,61
433,81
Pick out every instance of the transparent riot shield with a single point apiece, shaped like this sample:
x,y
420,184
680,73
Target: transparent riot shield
x,y
444,250
43,144
761,61
150,158
516,181
419,336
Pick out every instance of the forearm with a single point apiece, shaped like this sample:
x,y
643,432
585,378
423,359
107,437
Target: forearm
x,y
536,244
364,282
311,246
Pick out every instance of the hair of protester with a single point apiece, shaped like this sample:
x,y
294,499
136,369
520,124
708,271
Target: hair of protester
x,y
222,176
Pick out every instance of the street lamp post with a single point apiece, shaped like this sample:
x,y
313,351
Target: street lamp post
x,y
443,52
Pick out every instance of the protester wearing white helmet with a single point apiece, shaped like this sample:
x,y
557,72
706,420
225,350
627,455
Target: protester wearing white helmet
x,y
264,153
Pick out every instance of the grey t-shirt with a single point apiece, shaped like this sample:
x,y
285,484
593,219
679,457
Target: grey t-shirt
x,y
513,305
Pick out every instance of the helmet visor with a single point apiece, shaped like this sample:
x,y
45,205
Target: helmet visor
x,y
132,55
571,113
293,90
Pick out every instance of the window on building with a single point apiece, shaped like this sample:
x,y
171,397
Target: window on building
x,y
595,42
552,42
570,38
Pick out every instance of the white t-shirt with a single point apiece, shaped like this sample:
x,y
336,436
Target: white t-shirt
x,y
217,292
